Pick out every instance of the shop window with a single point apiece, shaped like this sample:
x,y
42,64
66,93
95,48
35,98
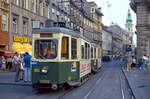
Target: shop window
x,y
91,52
73,48
65,48
25,27
15,25
4,23
82,51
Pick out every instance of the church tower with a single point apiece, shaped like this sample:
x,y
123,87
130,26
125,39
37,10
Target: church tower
x,y
129,25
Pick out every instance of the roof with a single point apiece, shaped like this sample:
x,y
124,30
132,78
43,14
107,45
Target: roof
x,y
58,30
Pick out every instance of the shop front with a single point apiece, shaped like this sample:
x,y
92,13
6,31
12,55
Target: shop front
x,y
21,44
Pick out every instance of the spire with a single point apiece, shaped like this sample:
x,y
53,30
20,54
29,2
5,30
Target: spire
x,y
129,19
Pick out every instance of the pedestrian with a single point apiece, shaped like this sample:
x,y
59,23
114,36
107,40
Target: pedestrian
x,y
9,63
3,63
16,62
148,65
129,62
144,63
27,67
133,62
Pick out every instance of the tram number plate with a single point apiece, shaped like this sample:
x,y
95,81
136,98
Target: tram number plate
x,y
45,81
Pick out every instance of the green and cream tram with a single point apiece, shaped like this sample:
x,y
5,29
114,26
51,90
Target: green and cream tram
x,y
62,56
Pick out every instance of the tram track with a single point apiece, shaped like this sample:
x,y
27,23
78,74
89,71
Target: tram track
x,y
94,87
72,88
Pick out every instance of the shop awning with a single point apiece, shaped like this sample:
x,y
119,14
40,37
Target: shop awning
x,y
6,53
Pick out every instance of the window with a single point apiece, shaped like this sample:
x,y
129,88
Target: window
x,y
26,4
4,23
91,52
82,51
74,48
34,5
94,52
5,1
45,10
87,51
15,25
25,27
65,48
16,2
46,49
42,9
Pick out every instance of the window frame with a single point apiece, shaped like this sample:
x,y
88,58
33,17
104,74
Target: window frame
x,y
4,23
74,49
68,48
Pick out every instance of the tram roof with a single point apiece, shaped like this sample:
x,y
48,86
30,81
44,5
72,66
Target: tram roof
x,y
58,30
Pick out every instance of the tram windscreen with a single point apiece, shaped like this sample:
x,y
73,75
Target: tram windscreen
x,y
46,49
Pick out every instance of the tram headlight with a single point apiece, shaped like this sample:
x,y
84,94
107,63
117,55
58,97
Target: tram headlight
x,y
44,70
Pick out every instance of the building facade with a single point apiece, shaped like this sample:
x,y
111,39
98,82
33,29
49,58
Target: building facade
x,y
106,42
4,24
120,37
142,10
25,15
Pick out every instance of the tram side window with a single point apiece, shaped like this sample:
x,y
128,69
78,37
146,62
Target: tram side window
x,y
74,48
94,52
86,50
91,52
65,48
82,51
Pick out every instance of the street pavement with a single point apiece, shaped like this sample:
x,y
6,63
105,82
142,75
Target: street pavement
x,y
109,83
139,81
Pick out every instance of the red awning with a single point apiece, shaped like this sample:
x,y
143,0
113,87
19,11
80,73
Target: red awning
x,y
6,53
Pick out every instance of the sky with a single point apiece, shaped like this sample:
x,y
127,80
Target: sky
x,y
116,12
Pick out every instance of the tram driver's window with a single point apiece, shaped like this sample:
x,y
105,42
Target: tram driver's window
x,y
65,48
73,48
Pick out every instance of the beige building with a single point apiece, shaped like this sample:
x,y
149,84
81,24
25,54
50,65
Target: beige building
x,y
23,14
142,10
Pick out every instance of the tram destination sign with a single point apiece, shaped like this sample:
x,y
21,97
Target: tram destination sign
x,y
45,35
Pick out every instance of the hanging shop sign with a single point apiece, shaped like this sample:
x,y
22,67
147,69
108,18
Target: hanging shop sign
x,y
20,39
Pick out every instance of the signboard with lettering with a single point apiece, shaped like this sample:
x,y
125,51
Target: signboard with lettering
x,y
85,67
21,39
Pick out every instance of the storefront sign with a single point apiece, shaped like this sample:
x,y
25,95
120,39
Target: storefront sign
x,y
20,39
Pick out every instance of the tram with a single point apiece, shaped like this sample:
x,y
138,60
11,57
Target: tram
x,y
62,56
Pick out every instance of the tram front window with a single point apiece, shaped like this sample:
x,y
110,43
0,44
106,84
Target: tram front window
x,y
46,49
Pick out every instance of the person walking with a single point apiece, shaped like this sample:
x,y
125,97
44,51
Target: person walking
x,y
27,69
16,62
9,63
144,63
129,62
3,63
